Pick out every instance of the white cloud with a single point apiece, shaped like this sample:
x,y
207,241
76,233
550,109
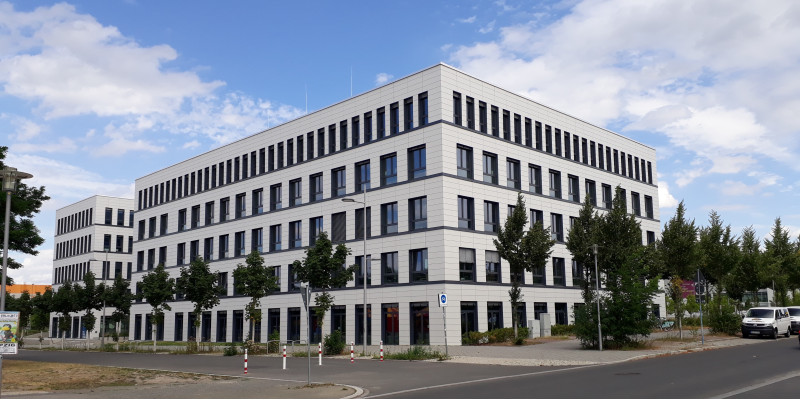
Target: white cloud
x,y
686,176
36,269
665,198
663,66
487,28
26,129
119,145
63,145
468,20
72,65
382,78
66,183
191,145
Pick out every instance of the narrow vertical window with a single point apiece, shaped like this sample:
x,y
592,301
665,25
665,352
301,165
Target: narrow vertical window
x,y
464,161
482,117
470,113
394,118
457,108
423,108
408,114
417,163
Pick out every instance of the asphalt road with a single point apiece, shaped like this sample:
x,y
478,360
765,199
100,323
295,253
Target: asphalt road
x,y
767,369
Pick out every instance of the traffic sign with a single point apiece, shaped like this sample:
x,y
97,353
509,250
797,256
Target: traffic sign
x,y
442,300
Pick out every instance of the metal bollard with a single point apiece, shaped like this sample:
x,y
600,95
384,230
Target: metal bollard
x,y
381,350
245,361
351,352
319,349
284,356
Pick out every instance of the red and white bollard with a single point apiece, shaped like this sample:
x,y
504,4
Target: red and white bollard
x,y
381,350
245,361
319,350
352,360
284,356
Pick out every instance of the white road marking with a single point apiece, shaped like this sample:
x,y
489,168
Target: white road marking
x,y
757,386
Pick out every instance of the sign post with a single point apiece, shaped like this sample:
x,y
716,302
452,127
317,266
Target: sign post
x,y
443,306
306,293
700,288
9,321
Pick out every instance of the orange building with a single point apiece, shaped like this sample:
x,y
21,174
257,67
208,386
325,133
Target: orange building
x,y
17,290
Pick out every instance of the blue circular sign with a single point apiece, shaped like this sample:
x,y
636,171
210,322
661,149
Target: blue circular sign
x,y
444,298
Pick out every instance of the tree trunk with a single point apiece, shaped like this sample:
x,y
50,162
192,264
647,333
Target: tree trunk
x,y
155,338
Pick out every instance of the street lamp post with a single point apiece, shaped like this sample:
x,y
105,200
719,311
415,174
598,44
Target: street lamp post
x,y
597,297
10,177
363,260
103,274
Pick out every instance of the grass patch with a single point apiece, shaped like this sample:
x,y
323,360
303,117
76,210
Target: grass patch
x,y
415,353
19,375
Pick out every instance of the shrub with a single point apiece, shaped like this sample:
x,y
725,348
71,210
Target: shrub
x,y
334,343
230,350
562,330
723,318
500,335
416,353
274,342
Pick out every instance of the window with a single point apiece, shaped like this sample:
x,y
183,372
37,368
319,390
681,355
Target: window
x,y
208,249
592,154
238,239
495,121
394,119
362,176
356,131
310,145
359,279
300,150
464,161
343,135
506,125
539,308
492,266
576,155
517,128
418,264
489,168
584,151
537,216
367,127
559,276
624,197
556,227
195,216
418,213
494,315
577,274
315,187
381,121
567,150
241,205
408,114
416,162
491,216
390,315
635,204
295,193
320,142
109,214
257,240
107,241
388,268
339,227
574,188
591,190
274,237
389,169
295,239
535,178
557,137
331,139
224,247
151,232
466,265
561,313
466,212
258,200
389,218
224,208
315,229
648,206
120,217
423,108
457,108
512,174
482,117
555,184
607,199
338,182
275,195
360,223
470,113
548,139
181,255
651,237
209,213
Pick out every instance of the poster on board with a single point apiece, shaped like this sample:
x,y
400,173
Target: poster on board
x,y
9,321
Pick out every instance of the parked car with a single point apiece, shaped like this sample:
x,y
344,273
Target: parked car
x,y
794,319
770,321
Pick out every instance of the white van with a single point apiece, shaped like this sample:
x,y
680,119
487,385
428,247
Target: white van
x,y
770,321
794,318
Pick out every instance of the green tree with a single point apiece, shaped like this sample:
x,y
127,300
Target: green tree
x,y
509,246
120,298
780,266
26,202
678,251
199,286
324,268
158,289
255,280
580,240
40,315
88,299
65,302
719,252
25,308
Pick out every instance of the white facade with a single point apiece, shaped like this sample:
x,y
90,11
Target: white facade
x,y
400,310
94,234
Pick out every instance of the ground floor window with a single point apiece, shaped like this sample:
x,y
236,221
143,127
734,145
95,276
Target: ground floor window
x,y
222,326
339,319
469,322
238,326
137,327
522,315
494,315
178,327
539,308
390,316
192,329
316,328
148,327
420,323
360,324
294,324
205,326
273,322
561,314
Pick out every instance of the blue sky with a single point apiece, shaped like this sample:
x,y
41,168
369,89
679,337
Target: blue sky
x,y
94,94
